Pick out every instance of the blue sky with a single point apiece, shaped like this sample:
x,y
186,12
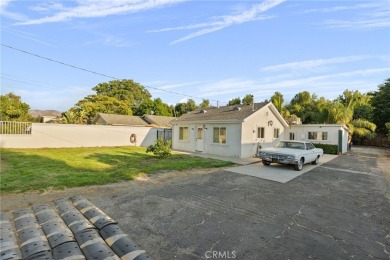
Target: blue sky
x,y
216,50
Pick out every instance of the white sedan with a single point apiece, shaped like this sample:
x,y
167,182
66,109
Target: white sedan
x,y
296,153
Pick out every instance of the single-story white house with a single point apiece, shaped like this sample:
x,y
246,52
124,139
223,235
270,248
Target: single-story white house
x,y
228,131
239,131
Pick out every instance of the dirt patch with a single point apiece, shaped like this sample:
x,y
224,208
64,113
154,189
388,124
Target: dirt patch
x,y
15,201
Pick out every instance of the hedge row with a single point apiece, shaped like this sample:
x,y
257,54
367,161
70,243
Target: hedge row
x,y
328,148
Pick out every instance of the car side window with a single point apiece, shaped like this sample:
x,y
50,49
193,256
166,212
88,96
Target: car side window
x,y
309,146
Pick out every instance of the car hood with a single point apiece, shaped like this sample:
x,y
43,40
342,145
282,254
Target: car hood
x,y
282,150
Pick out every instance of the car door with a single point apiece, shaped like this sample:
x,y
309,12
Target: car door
x,y
311,153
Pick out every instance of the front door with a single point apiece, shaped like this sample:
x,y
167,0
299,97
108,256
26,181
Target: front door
x,y
199,139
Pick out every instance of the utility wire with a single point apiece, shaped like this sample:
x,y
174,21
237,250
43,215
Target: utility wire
x,y
98,73
25,82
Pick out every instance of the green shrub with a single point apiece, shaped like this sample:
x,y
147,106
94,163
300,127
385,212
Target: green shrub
x,y
160,149
328,148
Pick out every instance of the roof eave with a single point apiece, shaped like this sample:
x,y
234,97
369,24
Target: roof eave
x,y
207,121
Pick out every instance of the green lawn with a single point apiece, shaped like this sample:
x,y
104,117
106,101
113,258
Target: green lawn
x,y
38,169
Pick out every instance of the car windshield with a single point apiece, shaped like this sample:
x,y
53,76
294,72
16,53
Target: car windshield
x,y
291,145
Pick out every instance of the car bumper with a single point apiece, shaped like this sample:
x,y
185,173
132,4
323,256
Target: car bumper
x,y
278,160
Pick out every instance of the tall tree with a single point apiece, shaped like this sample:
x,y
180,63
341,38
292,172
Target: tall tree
x,y
128,91
278,100
302,98
205,103
94,104
180,109
161,108
248,99
381,103
304,106
388,130
12,108
145,108
191,105
342,113
234,101
71,117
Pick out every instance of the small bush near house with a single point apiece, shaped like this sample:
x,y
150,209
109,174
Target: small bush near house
x,y
328,148
160,149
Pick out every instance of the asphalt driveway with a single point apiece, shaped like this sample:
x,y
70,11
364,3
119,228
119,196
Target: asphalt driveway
x,y
339,210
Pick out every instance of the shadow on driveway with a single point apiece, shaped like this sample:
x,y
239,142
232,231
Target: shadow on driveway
x,y
328,213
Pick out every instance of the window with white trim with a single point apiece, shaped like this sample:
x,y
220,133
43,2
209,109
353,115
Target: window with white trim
x,y
292,136
219,135
260,132
276,132
317,135
183,133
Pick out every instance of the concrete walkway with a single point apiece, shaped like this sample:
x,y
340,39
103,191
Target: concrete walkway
x,y
241,161
254,167
277,172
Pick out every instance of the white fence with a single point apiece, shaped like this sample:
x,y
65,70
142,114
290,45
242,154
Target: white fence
x,y
64,135
15,128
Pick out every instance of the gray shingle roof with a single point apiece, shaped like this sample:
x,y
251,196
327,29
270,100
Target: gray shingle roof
x,y
159,120
71,229
227,113
112,119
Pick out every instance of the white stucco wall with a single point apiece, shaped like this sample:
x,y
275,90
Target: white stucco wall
x,y
61,135
301,133
231,148
249,140
177,144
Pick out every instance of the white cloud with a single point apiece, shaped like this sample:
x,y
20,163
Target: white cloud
x,y
313,65
337,82
14,16
339,8
230,86
99,8
47,7
183,100
26,35
222,22
370,16
325,85
185,84
328,85
111,40
4,4
359,24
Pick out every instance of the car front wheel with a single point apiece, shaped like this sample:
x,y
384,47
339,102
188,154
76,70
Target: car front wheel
x,y
315,162
299,165
266,163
